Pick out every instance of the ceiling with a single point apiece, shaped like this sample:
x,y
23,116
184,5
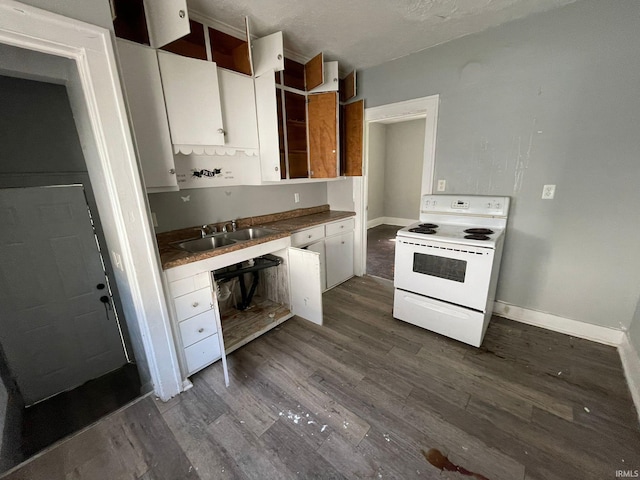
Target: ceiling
x,y
364,33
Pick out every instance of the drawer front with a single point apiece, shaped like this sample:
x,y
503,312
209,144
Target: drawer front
x,y
189,284
340,227
194,303
202,353
310,235
197,328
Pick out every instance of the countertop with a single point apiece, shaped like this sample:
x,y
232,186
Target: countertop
x,y
284,223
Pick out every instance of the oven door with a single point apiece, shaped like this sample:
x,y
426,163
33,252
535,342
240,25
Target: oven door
x,y
459,274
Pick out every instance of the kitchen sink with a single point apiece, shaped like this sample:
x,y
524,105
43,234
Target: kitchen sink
x,y
223,239
251,233
204,244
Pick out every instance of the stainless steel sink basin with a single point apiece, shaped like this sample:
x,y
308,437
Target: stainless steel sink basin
x,y
251,233
204,244
223,239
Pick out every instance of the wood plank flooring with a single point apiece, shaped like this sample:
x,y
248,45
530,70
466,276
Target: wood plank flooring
x,y
363,396
381,248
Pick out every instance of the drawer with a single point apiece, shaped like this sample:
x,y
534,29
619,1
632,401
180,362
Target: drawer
x,y
189,284
197,328
202,353
307,236
340,227
193,303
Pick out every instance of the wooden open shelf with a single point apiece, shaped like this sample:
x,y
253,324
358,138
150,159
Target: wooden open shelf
x,y
239,328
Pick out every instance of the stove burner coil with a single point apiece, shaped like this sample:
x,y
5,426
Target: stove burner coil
x,y
477,236
428,225
425,231
479,231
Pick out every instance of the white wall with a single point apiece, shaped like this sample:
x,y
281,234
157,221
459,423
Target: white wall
x,y
217,204
377,149
550,99
96,12
404,159
634,331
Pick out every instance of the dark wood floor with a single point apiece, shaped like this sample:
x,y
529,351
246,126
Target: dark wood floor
x,y
364,396
381,248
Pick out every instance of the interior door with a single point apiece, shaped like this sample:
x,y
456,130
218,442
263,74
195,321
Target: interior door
x,y
57,328
305,287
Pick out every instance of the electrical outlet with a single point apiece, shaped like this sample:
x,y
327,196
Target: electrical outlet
x,y
548,192
442,185
296,197
154,219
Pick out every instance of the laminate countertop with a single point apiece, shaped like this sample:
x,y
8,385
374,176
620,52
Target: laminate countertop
x,y
283,223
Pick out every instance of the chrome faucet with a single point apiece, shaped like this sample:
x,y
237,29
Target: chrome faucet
x,y
234,226
207,230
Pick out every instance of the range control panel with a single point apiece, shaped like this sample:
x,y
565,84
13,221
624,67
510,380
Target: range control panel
x,y
465,205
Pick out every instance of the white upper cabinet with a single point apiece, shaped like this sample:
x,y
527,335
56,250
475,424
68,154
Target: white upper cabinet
x,y
238,110
267,112
143,88
331,79
167,20
266,53
192,97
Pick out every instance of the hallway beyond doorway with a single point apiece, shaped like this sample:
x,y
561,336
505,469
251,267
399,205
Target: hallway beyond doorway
x,y
381,249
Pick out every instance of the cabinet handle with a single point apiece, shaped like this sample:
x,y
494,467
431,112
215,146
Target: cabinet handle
x,y
181,14
221,131
195,304
200,330
172,171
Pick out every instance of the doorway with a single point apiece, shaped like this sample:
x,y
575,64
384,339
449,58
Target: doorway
x,y
399,164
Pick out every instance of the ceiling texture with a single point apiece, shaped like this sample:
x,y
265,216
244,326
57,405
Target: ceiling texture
x,y
364,33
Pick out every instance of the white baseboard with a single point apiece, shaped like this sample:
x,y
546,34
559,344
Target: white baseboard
x,y
588,331
399,222
375,222
631,364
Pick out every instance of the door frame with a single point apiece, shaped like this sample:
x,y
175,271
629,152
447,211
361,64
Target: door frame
x,y
112,167
424,107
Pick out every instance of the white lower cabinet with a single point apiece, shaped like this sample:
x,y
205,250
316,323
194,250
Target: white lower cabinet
x,y
334,243
339,255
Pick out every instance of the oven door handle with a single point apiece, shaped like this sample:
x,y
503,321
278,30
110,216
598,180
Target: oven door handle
x,y
437,308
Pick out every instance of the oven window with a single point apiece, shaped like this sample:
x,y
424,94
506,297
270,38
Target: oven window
x,y
442,267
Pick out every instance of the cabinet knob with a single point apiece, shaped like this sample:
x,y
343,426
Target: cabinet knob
x,y
342,243
181,13
172,171
310,236
277,169
221,131
200,330
341,226
279,56
195,304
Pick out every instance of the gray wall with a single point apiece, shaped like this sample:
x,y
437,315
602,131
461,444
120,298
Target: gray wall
x,y
551,99
403,169
216,204
634,330
375,170
96,12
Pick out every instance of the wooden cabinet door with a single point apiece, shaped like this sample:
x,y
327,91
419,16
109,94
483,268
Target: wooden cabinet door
x,y
322,121
238,110
143,88
167,20
304,282
314,72
352,138
348,87
192,97
339,258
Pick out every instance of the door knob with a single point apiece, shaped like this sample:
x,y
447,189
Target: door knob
x,y
104,299
100,286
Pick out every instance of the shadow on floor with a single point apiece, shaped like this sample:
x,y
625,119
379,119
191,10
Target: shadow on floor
x,y
381,248
53,419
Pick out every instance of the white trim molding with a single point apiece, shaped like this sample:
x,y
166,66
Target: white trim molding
x,y
630,358
588,331
396,221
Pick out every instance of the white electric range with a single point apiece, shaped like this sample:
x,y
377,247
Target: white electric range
x,y
447,265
